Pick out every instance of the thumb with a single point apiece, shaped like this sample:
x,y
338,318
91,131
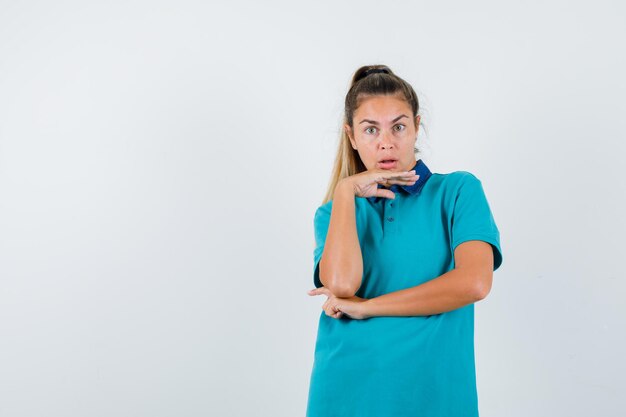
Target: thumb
x,y
381,192
317,291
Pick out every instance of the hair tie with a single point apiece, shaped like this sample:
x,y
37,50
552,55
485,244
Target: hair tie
x,y
375,70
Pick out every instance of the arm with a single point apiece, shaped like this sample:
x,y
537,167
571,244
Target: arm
x,y
341,265
468,282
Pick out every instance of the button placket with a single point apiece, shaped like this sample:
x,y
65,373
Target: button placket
x,y
391,213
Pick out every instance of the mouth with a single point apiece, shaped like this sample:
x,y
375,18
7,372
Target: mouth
x,y
388,163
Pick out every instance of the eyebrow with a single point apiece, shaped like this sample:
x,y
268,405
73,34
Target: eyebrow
x,y
375,122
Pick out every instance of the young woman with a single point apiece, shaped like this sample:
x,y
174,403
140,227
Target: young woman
x,y
402,255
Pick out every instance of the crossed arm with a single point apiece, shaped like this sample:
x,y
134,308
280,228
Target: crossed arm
x,y
341,268
468,282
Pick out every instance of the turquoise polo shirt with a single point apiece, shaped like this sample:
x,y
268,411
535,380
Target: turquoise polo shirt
x,y
399,366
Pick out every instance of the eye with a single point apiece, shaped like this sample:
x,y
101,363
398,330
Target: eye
x,y
400,125
368,128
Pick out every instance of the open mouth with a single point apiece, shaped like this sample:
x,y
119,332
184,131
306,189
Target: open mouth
x,y
387,163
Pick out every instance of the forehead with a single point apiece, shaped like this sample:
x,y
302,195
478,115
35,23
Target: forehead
x,y
381,107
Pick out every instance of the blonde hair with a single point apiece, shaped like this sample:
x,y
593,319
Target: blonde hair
x,y
365,83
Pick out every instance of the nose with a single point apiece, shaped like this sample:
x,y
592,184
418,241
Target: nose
x,y
385,140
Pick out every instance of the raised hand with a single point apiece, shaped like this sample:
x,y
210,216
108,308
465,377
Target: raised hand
x,y
365,184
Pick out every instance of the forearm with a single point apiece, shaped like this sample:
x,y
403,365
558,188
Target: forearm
x,y
452,290
341,266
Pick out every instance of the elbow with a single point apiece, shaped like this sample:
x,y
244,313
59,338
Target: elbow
x,y
482,287
340,288
480,294
339,284
343,291
345,284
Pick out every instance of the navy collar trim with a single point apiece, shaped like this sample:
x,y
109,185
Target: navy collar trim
x,y
420,169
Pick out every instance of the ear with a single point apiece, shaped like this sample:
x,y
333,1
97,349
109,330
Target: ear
x,y
349,133
417,122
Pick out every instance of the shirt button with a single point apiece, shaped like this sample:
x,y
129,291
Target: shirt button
x,y
390,219
391,204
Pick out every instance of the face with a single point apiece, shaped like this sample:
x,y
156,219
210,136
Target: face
x,y
384,129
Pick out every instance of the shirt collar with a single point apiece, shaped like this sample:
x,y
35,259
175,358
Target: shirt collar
x,y
420,169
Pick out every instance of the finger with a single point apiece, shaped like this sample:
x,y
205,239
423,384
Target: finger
x,y
381,192
337,310
396,179
320,290
392,174
410,181
404,178
405,181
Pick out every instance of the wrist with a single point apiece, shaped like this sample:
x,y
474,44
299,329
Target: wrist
x,y
344,187
366,308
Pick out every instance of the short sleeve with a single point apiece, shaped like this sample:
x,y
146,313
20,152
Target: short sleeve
x,y
472,218
320,226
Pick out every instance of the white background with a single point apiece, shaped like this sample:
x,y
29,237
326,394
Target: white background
x,y
161,162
